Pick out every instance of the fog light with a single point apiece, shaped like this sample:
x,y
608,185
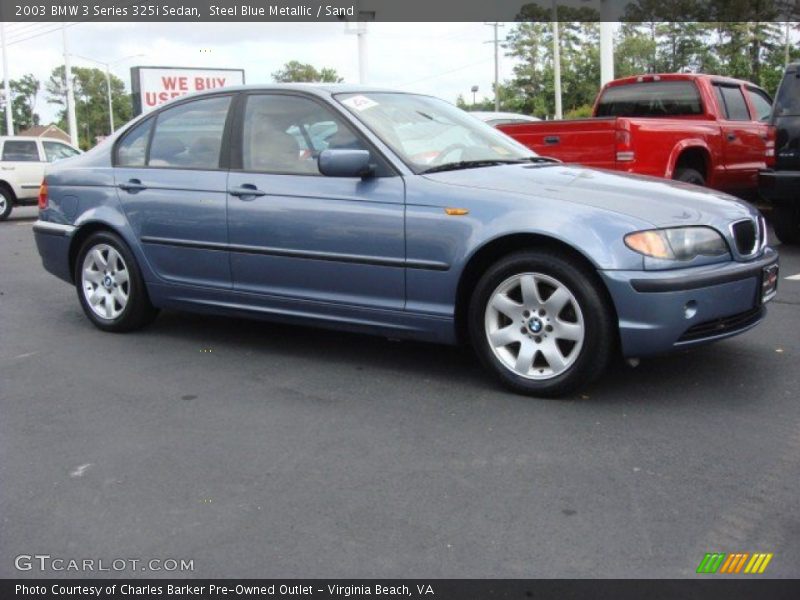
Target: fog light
x,y
690,309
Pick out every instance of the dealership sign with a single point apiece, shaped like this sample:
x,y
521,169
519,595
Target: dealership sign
x,y
153,86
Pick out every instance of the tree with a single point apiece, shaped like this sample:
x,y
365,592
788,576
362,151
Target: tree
x,y
531,42
91,101
23,102
295,71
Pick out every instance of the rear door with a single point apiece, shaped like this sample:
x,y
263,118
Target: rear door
x,y
171,173
787,122
743,139
303,235
22,166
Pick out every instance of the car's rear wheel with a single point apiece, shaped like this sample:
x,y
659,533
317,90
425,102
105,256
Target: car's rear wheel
x,y
539,322
110,286
6,204
786,222
690,176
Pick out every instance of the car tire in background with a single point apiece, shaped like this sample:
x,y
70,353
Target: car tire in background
x,y
541,323
786,222
6,204
110,285
689,176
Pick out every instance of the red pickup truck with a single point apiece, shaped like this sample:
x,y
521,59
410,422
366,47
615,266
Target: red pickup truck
x,y
701,129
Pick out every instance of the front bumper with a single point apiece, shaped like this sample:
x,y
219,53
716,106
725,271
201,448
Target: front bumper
x,y
779,186
663,311
53,242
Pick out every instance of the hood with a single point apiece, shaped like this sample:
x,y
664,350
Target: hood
x,y
661,202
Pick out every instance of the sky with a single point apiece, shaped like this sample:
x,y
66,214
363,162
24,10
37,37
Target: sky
x,y
442,59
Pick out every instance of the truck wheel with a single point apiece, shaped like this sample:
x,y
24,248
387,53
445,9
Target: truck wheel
x,y
786,222
6,204
539,322
110,286
689,176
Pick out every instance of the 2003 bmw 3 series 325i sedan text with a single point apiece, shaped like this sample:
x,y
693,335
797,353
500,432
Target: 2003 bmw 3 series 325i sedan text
x,y
400,215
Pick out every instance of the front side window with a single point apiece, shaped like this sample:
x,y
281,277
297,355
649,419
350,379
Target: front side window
x,y
20,151
285,134
189,136
761,103
651,99
428,133
54,151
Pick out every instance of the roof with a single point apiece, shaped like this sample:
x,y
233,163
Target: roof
x,y
678,77
52,131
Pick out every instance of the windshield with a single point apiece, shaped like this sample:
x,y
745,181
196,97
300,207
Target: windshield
x,y
428,133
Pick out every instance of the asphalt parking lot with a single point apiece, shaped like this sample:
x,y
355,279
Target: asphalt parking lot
x,y
259,450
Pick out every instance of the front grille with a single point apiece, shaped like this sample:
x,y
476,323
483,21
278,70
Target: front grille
x,y
723,325
745,235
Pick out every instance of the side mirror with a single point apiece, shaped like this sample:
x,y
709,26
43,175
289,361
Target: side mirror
x,y
345,163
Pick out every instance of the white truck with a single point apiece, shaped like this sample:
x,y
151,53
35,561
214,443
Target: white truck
x,y
22,163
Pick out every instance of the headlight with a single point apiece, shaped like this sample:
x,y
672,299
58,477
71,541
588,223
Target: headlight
x,y
678,243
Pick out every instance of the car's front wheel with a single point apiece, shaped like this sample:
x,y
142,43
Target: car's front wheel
x,y
540,323
110,286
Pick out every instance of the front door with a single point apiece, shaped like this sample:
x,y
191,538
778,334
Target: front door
x,y
172,186
300,234
21,163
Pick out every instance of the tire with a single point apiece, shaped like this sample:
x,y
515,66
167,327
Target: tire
x,y
6,204
562,322
114,298
689,176
786,223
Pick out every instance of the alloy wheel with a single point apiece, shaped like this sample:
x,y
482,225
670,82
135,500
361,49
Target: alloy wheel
x,y
534,325
105,281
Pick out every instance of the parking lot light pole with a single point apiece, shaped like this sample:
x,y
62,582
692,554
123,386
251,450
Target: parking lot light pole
x,y
108,81
6,88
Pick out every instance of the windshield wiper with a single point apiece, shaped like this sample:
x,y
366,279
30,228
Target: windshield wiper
x,y
470,164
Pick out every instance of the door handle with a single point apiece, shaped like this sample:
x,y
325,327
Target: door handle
x,y
731,137
551,139
245,190
9,168
132,185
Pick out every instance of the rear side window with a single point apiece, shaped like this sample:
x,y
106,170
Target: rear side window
x,y
788,100
56,151
651,99
761,103
189,136
20,151
733,103
132,150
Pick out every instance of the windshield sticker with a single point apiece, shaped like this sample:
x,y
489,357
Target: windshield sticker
x,y
360,103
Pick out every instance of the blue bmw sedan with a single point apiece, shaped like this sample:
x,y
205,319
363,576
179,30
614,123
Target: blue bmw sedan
x,y
400,215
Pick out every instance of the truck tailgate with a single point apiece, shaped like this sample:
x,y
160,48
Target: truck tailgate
x,y
590,142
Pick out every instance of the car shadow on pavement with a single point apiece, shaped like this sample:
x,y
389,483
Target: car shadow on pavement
x,y
716,373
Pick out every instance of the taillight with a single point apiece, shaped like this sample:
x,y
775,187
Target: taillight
x,y
624,151
769,147
43,195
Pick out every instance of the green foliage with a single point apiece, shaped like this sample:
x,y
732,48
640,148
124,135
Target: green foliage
x,y
754,50
91,101
581,112
295,72
23,103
